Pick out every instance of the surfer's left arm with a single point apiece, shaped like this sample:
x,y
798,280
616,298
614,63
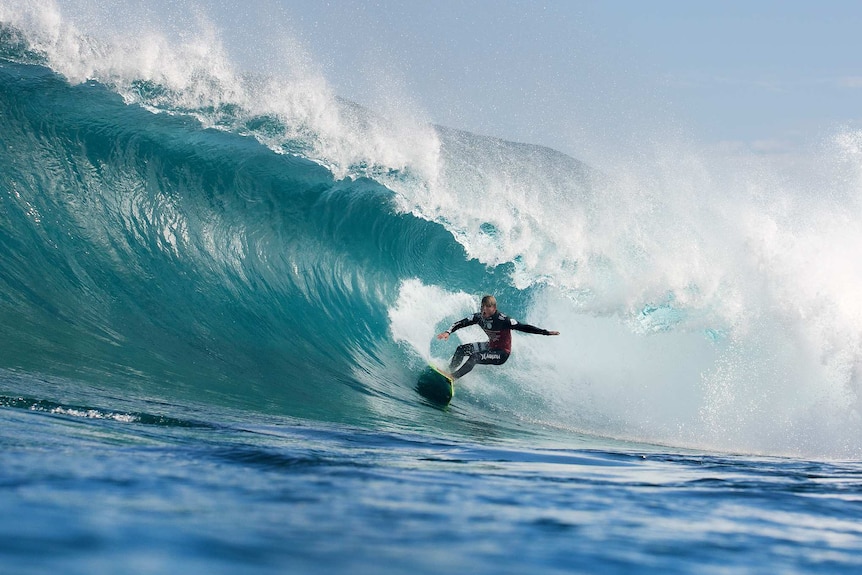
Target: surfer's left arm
x,y
527,328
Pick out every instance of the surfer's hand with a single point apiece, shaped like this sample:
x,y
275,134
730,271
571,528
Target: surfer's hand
x,y
553,333
444,335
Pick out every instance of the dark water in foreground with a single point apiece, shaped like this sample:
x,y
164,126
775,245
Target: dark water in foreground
x,y
89,490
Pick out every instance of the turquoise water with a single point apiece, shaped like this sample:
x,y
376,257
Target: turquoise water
x,y
214,308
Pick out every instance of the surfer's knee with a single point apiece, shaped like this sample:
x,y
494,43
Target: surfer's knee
x,y
469,348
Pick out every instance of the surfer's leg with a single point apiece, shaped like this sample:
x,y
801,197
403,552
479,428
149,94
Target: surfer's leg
x,y
466,368
464,350
480,354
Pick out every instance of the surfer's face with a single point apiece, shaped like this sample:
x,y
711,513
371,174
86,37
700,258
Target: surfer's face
x,y
488,309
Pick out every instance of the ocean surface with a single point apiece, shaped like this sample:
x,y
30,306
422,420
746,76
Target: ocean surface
x,y
217,290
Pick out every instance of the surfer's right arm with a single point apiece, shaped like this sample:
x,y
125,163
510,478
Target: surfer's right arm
x,y
458,325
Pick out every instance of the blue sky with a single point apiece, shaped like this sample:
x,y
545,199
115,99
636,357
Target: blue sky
x,y
584,77
761,76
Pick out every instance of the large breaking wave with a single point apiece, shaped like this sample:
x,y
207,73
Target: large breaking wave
x,y
172,226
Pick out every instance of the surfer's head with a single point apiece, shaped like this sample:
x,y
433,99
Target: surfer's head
x,y
489,305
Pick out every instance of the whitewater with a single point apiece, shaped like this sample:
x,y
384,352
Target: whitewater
x,y
218,288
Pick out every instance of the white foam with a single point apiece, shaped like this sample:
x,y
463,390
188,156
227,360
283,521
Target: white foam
x,y
421,312
192,72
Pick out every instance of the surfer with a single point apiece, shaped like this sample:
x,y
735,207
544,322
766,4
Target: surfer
x,y
498,327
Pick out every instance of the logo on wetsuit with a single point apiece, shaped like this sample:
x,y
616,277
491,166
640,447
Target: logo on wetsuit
x,y
492,354
498,332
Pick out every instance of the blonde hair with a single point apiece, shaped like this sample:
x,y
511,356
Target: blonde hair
x,y
489,300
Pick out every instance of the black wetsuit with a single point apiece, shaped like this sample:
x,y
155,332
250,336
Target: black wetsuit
x,y
496,350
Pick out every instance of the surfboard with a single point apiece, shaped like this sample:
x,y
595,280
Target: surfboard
x,y
435,386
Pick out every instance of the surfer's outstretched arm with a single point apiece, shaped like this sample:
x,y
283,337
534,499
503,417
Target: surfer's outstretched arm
x,y
527,328
458,325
